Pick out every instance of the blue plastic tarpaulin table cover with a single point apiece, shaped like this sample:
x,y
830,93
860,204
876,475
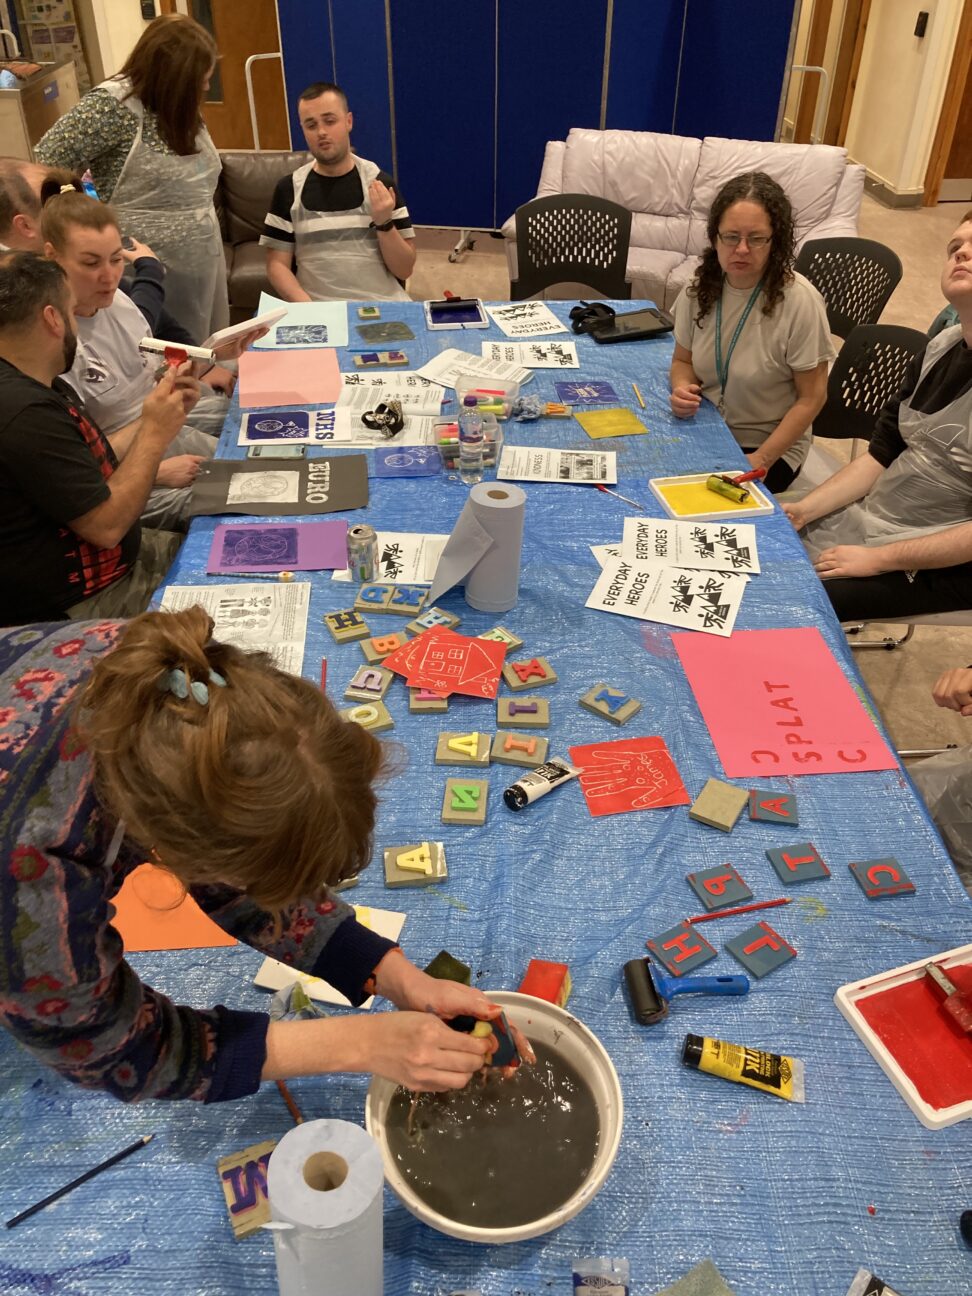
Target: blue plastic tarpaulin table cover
x,y
784,1198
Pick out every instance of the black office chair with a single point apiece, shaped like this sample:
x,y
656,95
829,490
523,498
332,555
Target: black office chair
x,y
854,276
571,238
867,374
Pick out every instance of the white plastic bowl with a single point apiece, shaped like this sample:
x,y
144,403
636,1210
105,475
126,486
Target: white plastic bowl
x,y
562,1032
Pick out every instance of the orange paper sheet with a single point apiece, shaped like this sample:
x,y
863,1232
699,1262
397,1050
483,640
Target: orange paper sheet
x,y
271,378
152,912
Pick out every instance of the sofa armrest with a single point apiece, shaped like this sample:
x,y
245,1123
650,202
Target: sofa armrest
x,y
842,219
551,182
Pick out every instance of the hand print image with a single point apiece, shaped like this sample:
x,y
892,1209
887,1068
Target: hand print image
x,y
633,774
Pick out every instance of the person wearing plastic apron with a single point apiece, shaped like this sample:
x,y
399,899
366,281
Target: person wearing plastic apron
x,y
166,201
337,253
925,490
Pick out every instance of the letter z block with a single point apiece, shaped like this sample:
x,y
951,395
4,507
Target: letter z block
x,y
415,866
760,949
681,949
346,626
718,887
522,749
462,749
882,879
522,713
798,864
610,704
465,801
535,673
374,598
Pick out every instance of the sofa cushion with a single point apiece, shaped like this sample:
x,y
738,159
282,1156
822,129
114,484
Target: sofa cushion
x,y
247,278
246,187
648,270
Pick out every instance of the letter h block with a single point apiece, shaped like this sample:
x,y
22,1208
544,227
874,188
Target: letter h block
x,y
681,949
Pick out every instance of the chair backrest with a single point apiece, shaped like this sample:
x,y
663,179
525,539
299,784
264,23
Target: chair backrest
x,y
571,238
854,276
867,374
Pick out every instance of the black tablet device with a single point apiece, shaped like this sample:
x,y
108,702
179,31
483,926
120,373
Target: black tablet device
x,y
632,326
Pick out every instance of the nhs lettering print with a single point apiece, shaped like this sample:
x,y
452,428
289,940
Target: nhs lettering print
x,y
269,427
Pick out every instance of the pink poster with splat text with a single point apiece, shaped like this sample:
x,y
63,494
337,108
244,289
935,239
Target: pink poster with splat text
x,y
777,702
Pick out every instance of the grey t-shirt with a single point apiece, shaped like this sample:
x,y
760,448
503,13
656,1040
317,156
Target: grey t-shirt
x,y
760,388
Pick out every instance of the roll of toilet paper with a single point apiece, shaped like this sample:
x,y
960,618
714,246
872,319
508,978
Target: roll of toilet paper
x,y
483,551
324,1184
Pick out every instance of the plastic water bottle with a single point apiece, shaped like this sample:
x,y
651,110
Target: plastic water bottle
x,y
471,442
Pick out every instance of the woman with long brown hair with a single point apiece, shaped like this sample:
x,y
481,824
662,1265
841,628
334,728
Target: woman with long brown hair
x,y
751,335
142,136
124,742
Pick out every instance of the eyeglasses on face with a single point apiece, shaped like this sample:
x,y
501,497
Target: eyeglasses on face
x,y
753,241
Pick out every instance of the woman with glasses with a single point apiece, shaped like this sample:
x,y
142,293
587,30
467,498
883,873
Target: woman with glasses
x,y
751,336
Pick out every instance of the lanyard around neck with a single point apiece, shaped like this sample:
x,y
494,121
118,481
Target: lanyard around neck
x,y
722,366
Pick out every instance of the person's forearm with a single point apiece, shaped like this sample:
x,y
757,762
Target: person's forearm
x,y
945,548
106,525
682,374
327,1044
787,432
850,484
121,441
397,253
284,283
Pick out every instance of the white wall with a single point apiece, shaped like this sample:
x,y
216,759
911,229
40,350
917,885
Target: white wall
x,y
900,90
113,26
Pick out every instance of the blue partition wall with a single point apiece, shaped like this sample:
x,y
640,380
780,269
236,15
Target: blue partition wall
x,y
460,99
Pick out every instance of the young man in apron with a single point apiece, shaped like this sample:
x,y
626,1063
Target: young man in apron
x,y
340,216
891,533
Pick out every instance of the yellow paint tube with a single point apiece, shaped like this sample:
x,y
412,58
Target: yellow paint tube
x,y
774,1073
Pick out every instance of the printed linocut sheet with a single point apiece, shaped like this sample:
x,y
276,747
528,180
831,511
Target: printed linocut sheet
x,y
534,355
405,558
452,364
323,485
709,546
301,546
298,427
526,319
692,600
305,324
630,774
533,463
265,616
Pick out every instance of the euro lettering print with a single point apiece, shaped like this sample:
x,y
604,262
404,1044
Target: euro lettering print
x,y
691,600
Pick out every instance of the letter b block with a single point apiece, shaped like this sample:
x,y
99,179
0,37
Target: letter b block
x,y
719,887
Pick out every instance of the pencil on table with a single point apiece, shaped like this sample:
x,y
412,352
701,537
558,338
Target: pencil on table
x,y
292,1107
634,387
740,909
83,1178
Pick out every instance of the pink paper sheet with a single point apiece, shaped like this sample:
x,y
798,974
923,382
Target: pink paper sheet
x,y
271,378
777,702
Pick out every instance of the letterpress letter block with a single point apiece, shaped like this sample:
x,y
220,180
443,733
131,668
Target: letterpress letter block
x,y
379,647
519,749
370,684
718,887
499,634
433,618
681,949
374,598
610,703
465,801
798,864
882,879
244,1179
522,713
719,805
415,866
407,600
370,715
772,807
760,949
346,626
534,673
424,700
462,749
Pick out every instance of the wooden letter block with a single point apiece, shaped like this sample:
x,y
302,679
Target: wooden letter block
x,y
462,749
370,715
719,805
760,949
369,312
534,673
611,703
370,684
374,598
798,864
772,807
346,626
550,981
422,700
681,949
882,879
465,801
519,749
433,618
243,1176
415,866
379,647
499,634
718,887
407,600
522,713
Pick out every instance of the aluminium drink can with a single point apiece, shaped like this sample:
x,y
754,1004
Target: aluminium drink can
x,y
363,553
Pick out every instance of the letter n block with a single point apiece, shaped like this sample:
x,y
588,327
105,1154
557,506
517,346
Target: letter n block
x,y
760,949
882,879
798,864
718,887
681,949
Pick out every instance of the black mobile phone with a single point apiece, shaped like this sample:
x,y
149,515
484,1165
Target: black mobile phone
x,y
128,243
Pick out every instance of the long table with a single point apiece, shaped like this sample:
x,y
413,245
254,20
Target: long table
x,y
783,1198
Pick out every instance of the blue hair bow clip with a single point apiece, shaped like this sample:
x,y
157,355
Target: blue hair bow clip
x,y
178,683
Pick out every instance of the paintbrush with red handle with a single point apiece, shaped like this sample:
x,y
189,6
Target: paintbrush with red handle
x,y
956,1003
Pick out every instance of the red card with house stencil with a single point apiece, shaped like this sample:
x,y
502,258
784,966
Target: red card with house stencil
x,y
402,659
630,774
446,662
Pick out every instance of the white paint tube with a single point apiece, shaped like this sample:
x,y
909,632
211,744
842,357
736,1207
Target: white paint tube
x,y
531,787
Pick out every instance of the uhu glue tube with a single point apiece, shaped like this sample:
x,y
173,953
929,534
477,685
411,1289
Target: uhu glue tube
x,y
539,782
772,1072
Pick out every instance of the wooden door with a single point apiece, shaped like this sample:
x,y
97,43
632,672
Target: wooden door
x,y
951,153
242,28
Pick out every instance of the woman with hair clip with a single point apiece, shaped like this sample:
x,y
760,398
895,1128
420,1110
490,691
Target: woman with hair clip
x,y
751,335
124,742
143,138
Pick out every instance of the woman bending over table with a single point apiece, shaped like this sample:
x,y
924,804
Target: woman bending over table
x,y
124,742
751,335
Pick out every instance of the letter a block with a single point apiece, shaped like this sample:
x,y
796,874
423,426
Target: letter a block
x,y
346,626
681,949
535,673
462,749
719,805
415,866
718,887
519,749
772,807
522,713
610,703
798,864
465,801
374,598
760,949
882,879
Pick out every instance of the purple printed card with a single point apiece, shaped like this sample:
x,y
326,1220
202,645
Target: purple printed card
x,y
586,393
275,547
407,461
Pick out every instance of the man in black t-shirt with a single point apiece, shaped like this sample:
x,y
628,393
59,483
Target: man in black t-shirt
x,y
69,533
343,217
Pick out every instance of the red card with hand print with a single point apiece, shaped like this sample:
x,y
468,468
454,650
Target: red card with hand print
x,y
630,774
447,662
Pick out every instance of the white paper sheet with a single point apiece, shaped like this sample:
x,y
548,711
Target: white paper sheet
x,y
709,546
451,364
348,428
265,615
426,399
692,600
526,319
582,467
332,315
405,557
605,552
534,355
403,379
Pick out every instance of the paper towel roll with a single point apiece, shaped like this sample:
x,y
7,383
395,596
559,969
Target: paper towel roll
x,y
483,551
324,1184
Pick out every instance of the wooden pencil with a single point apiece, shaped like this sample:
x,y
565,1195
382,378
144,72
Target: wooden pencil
x,y
740,909
292,1107
641,402
75,1183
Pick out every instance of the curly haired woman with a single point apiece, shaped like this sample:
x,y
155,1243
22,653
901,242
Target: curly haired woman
x,y
751,335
